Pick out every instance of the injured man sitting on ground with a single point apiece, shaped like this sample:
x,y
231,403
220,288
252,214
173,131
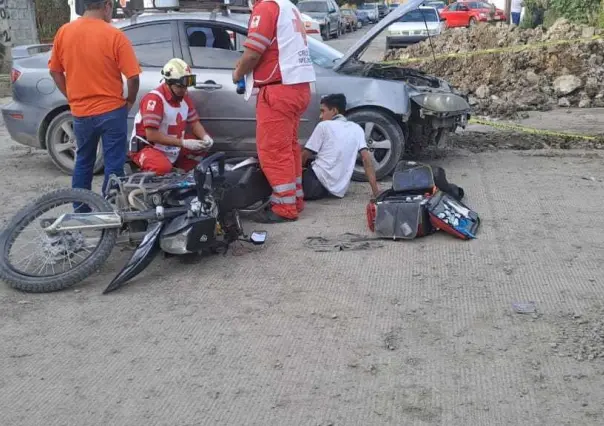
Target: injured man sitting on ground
x,y
335,144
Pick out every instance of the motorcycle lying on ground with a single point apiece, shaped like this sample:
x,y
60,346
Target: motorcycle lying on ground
x,y
197,212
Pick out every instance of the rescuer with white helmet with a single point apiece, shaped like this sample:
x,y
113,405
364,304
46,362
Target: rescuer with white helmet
x,y
158,140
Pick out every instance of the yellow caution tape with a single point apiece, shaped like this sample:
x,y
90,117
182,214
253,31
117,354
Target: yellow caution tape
x,y
509,126
514,49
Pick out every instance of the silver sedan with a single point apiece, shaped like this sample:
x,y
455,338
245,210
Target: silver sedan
x,y
397,107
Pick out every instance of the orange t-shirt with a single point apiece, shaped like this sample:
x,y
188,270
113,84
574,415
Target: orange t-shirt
x,y
93,55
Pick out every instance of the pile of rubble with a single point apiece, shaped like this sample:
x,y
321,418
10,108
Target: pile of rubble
x,y
501,84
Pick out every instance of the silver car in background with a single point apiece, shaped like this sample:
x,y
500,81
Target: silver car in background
x,y
399,108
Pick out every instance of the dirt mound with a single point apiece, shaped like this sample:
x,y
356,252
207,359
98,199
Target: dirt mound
x,y
504,83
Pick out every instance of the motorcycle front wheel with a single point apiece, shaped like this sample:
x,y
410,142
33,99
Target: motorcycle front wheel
x,y
54,262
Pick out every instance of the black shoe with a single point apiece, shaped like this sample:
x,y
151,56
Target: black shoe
x,y
268,216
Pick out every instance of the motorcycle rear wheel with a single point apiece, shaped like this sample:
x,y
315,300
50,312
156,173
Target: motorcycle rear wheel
x,y
29,214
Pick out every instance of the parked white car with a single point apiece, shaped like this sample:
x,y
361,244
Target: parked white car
x,y
414,27
312,27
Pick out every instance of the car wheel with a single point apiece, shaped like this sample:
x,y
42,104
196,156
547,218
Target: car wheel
x,y
61,144
327,32
472,22
385,140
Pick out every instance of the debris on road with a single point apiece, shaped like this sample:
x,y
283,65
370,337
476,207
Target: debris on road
x,y
344,242
581,336
525,308
500,83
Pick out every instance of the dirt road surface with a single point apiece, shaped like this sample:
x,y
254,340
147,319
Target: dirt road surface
x,y
398,333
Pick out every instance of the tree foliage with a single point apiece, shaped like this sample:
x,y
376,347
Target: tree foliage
x,y
580,11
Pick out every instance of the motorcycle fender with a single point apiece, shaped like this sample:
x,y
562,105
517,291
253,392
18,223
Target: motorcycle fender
x,y
140,259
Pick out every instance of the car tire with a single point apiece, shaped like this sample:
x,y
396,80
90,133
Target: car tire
x,y
327,32
472,22
383,127
58,137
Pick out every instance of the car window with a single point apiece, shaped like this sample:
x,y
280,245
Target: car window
x,y
453,7
418,15
213,47
312,6
152,44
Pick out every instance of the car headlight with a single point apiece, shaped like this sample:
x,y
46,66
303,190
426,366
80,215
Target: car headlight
x,y
441,102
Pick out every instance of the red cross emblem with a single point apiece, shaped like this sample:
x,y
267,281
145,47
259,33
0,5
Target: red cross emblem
x,y
177,129
299,26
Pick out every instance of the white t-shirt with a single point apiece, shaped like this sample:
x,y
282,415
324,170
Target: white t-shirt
x,y
336,144
516,6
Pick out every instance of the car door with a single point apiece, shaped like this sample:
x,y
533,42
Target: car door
x,y
464,15
154,43
452,15
334,18
212,49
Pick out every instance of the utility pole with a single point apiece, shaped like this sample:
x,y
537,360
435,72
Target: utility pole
x,y
508,11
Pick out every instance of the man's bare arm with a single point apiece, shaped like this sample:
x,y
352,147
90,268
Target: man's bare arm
x,y
306,154
133,85
198,130
155,136
370,172
59,79
247,63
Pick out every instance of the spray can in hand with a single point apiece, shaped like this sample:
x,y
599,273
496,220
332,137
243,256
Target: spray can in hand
x,y
241,87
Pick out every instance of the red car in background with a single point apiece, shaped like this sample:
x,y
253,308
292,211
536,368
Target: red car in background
x,y
468,13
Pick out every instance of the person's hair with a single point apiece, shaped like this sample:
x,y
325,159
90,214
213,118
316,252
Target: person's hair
x,y
335,100
97,5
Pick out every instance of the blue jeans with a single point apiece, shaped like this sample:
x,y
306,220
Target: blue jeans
x,y
516,18
112,127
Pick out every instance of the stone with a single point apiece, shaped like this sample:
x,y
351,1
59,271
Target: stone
x,y
588,32
563,102
585,103
567,84
483,92
591,87
531,77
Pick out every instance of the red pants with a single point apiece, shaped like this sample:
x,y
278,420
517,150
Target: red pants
x,y
278,112
150,159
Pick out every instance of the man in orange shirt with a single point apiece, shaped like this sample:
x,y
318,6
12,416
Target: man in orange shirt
x,y
277,56
88,59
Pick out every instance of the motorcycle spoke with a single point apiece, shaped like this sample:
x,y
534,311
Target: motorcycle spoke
x,y
51,254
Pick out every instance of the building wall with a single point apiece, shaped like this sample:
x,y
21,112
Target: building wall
x,y
17,27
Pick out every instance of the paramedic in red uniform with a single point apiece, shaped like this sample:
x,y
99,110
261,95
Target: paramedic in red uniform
x,y
160,124
277,61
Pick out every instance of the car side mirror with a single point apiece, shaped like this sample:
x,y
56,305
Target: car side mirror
x,y
443,19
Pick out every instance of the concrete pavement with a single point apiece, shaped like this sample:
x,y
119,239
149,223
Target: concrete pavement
x,y
403,333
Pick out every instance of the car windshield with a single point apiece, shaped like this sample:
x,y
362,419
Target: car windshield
x,y
416,16
322,54
367,6
312,6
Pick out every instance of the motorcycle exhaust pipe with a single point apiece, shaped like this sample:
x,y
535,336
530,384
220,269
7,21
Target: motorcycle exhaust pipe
x,y
82,221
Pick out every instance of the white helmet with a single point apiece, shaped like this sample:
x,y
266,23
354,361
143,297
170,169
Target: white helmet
x,y
177,71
